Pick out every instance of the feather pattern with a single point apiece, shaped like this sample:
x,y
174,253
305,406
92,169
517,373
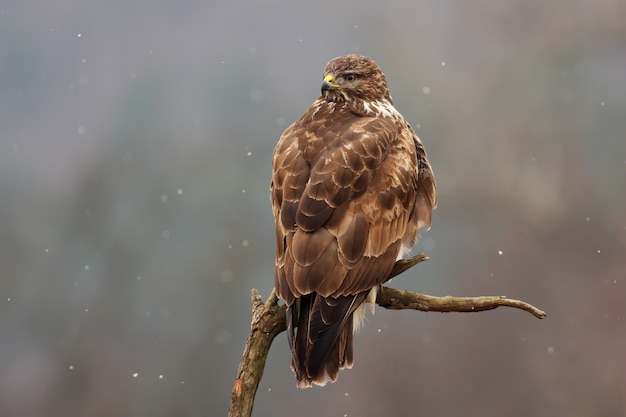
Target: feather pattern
x,y
351,187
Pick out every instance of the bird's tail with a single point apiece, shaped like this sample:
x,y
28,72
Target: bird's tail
x,y
320,336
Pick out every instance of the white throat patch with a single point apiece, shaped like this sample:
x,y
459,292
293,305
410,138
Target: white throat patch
x,y
381,108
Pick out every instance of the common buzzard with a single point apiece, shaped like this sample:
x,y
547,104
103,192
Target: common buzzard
x,y
351,187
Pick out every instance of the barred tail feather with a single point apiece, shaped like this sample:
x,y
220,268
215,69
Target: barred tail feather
x,y
321,345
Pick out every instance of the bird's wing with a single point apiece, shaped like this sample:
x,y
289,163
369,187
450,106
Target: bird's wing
x,y
345,201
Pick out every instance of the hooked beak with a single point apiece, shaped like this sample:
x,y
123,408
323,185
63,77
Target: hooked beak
x,y
329,83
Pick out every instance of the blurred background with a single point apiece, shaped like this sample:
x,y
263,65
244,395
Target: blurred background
x,y
135,153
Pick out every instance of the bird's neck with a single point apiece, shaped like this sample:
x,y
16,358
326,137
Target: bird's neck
x,y
357,107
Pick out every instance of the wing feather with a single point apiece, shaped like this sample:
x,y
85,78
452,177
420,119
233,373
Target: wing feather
x,y
348,199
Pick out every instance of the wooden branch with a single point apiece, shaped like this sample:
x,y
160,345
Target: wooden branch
x,y
269,320
404,264
406,300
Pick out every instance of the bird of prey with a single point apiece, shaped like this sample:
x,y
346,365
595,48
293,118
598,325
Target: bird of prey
x,y
351,187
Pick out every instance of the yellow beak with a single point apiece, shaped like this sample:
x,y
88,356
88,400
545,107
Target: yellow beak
x,y
329,83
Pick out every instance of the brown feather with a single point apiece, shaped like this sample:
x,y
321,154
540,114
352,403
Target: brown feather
x,y
351,185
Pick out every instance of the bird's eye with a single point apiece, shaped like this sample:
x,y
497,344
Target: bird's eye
x,y
350,77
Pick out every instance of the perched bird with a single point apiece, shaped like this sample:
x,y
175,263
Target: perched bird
x,y
351,187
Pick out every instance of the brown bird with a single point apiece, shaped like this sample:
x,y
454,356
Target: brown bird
x,y
351,187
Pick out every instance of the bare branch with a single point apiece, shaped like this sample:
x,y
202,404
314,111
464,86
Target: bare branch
x,y
269,320
394,299
404,264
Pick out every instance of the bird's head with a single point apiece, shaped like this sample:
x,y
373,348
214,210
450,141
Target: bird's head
x,y
354,77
